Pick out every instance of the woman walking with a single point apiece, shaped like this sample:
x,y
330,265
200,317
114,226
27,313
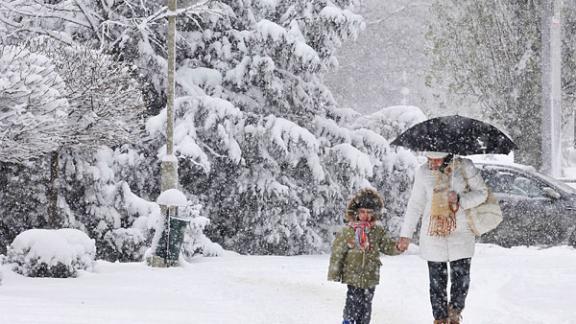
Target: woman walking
x,y
443,189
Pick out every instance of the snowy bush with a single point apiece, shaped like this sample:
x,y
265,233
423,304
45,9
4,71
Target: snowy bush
x,y
127,244
51,253
196,243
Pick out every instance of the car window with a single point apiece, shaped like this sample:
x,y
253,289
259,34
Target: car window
x,y
507,182
563,187
528,187
498,181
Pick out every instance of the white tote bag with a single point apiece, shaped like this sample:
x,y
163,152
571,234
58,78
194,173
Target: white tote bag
x,y
486,216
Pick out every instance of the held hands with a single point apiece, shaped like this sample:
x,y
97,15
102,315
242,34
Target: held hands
x,y
453,200
402,244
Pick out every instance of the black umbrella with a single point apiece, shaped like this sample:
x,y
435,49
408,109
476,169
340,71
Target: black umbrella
x,y
457,135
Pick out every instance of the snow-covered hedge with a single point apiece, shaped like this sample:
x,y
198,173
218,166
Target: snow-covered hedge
x,y
51,253
196,243
125,244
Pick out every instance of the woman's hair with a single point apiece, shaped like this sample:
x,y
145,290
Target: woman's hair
x,y
446,162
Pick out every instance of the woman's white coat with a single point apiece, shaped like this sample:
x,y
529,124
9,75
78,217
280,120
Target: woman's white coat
x,y
460,243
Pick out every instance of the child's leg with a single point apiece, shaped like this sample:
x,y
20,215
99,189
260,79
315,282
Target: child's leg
x,y
367,303
353,308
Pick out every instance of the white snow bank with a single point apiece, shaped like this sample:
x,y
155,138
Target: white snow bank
x,y
508,286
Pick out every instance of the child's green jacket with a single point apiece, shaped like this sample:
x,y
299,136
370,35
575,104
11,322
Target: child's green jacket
x,y
353,266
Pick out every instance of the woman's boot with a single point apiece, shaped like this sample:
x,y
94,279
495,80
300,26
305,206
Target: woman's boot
x,y
454,315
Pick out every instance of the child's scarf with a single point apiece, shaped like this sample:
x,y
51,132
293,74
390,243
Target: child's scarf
x,y
361,230
442,216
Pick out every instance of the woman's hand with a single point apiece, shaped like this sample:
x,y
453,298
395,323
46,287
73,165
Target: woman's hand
x,y
453,197
402,244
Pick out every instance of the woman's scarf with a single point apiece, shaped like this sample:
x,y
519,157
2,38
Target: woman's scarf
x,y
442,216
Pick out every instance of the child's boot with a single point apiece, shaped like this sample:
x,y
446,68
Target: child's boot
x,y
441,321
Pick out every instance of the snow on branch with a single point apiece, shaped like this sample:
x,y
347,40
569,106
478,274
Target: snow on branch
x,y
356,159
38,11
280,37
33,110
296,142
105,101
287,134
330,129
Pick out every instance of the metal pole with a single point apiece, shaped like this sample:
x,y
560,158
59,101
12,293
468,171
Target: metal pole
x,y
169,165
551,87
171,85
556,85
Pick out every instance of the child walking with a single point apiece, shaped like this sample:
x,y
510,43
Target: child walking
x,y
355,258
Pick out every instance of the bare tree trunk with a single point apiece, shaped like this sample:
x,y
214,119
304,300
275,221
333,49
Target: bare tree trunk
x,y
53,219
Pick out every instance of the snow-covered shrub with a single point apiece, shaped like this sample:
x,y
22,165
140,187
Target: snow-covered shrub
x,y
127,244
51,253
196,243
103,203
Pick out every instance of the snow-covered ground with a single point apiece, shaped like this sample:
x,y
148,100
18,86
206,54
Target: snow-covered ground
x,y
509,286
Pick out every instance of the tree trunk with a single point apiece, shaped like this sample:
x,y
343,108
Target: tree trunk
x,y
53,218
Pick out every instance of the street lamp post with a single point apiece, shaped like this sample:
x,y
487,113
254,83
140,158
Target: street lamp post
x,y
551,87
169,165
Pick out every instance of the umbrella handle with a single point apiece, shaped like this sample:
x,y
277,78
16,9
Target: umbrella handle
x,y
452,180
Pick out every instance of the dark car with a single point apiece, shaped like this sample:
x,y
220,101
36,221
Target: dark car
x,y
537,210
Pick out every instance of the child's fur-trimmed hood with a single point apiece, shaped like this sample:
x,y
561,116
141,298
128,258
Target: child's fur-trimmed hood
x,y
365,198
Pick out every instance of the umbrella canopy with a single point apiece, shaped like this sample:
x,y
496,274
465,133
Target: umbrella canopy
x,y
457,135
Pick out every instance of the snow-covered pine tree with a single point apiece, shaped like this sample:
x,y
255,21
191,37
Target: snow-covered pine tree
x,y
360,156
394,169
272,199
